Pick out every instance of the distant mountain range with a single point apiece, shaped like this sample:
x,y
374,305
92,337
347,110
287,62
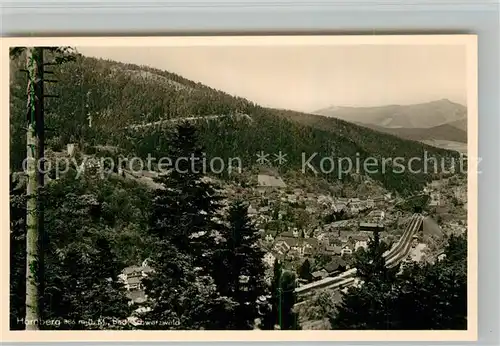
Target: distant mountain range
x,y
441,120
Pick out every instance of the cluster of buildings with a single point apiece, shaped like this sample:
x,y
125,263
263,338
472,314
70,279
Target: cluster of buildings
x,y
132,277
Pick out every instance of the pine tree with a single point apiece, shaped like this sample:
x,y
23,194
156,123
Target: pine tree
x,y
239,268
180,296
185,208
183,222
370,264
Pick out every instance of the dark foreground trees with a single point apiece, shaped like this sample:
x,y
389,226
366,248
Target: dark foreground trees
x,y
184,223
208,272
80,282
240,258
422,297
189,240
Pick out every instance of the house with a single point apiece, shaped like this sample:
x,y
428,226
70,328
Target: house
x,y
281,214
289,234
134,283
336,265
338,226
312,242
244,280
435,184
308,246
133,275
264,210
264,180
136,297
284,244
71,148
379,201
323,239
310,210
333,250
252,210
370,203
295,246
376,215
269,259
269,238
339,206
320,274
360,244
322,199
355,205
346,250
460,193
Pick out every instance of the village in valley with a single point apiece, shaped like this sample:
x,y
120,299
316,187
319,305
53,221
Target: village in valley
x,y
326,231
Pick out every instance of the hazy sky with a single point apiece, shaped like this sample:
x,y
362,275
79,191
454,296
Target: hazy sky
x,y
313,77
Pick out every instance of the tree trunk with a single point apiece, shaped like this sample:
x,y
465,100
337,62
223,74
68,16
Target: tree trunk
x,y
35,181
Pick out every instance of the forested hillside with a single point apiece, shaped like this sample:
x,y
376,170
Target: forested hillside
x,y
94,248
98,99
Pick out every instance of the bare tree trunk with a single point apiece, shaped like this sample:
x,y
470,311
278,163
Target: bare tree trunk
x,y
35,177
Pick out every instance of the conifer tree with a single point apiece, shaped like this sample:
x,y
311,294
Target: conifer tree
x,y
371,263
185,209
239,268
180,296
184,224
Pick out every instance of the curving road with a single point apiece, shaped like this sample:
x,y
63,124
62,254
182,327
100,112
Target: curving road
x,y
176,120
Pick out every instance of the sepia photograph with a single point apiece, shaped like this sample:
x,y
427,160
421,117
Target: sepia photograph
x,y
248,184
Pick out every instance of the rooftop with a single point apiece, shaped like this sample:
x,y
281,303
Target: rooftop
x,y
270,181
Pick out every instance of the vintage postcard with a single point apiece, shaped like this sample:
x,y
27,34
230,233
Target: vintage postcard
x,y
240,188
